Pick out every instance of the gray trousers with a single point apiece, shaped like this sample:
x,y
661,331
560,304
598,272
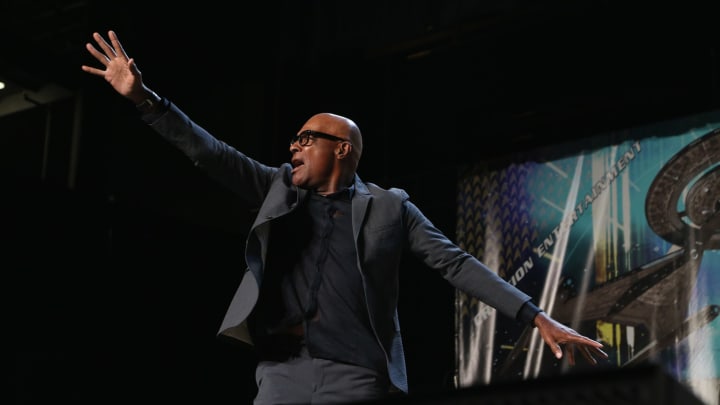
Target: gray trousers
x,y
305,380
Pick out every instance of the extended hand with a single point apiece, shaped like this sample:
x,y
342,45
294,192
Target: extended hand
x,y
555,334
120,70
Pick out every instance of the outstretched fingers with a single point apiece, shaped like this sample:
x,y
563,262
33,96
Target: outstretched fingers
x,y
117,46
594,353
571,355
556,335
97,54
590,349
108,51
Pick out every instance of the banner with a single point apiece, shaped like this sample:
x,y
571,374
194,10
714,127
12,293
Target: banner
x,y
619,238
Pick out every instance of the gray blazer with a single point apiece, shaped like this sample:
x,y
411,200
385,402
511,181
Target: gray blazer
x,y
385,223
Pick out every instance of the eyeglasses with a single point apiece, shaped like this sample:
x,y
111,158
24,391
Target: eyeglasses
x,y
304,137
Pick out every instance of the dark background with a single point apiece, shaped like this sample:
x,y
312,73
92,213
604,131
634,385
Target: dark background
x,y
123,257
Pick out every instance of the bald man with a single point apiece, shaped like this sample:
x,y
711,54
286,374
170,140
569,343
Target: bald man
x,y
318,299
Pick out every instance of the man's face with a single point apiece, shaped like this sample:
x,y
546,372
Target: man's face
x,y
313,161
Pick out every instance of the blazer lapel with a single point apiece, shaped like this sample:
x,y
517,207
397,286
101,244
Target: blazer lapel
x,y
360,203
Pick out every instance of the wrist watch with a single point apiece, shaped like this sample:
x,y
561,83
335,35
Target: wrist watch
x,y
149,104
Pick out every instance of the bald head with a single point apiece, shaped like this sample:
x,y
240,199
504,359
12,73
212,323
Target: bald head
x,y
326,153
342,127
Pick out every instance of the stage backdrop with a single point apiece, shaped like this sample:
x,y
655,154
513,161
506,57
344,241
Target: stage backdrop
x,y
617,236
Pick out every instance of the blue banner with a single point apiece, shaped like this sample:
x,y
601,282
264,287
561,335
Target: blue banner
x,y
618,238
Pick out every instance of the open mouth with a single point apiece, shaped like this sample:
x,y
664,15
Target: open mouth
x,y
296,163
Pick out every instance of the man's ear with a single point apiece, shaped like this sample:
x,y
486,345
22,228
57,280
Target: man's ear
x,y
343,150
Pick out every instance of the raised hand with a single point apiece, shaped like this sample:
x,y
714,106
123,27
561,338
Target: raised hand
x,y
119,70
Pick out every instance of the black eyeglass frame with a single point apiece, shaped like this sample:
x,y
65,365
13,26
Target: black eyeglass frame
x,y
308,133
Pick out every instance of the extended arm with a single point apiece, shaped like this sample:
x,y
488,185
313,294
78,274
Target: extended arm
x,y
467,273
221,161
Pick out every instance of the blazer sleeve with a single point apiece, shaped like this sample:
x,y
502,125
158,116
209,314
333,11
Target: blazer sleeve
x,y
464,271
239,173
